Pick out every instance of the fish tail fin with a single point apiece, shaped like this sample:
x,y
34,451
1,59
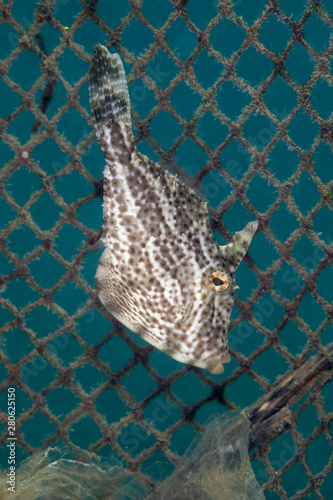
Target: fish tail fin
x,y
108,90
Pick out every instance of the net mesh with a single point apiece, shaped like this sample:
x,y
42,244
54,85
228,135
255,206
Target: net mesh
x,y
241,98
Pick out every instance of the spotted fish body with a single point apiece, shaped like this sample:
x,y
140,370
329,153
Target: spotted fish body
x,y
161,274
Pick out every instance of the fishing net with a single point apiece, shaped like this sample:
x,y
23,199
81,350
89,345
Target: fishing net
x,y
236,99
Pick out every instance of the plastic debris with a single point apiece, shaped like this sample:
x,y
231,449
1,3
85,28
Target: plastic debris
x,y
217,468
63,474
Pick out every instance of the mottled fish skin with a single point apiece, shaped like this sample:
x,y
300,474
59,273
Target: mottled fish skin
x,y
162,273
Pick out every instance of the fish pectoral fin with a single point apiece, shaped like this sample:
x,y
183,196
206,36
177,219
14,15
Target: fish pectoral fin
x,y
180,310
187,310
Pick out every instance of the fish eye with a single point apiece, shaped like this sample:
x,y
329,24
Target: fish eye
x,y
219,281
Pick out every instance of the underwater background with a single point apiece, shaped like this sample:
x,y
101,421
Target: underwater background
x,y
236,98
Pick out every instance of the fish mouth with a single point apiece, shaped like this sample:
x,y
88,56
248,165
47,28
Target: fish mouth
x,y
215,365
212,365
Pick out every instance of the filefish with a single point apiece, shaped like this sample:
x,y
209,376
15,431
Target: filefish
x,y
162,273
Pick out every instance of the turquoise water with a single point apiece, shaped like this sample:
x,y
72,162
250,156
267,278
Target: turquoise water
x,y
50,215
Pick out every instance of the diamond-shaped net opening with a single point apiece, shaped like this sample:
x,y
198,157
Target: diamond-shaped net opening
x,y
237,99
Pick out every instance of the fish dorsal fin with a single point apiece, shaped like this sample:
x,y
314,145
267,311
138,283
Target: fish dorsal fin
x,y
237,248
